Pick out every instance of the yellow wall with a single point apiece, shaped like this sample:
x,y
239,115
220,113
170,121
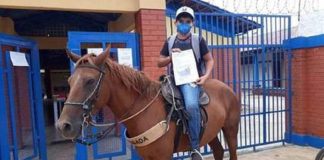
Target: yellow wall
x,y
85,5
151,4
125,23
7,25
50,42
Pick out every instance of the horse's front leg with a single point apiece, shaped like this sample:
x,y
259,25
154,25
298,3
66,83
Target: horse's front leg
x,y
156,157
155,153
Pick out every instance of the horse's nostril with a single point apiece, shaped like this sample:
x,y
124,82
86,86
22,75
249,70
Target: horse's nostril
x,y
67,127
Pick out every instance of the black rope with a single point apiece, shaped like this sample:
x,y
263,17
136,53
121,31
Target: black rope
x,y
98,136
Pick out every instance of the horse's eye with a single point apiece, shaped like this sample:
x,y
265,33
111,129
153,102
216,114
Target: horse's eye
x,y
90,82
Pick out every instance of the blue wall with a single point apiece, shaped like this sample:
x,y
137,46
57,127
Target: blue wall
x,y
306,140
305,42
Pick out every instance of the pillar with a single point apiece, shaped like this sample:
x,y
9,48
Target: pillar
x,y
151,27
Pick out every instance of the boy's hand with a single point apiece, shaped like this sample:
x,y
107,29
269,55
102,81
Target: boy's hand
x,y
174,50
202,80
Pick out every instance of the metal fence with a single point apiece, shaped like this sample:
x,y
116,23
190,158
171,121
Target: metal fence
x,y
250,57
22,129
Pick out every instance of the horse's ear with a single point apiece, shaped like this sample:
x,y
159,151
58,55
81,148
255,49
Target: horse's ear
x,y
103,56
74,57
107,50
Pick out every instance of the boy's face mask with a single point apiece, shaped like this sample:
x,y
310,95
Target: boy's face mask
x,y
184,26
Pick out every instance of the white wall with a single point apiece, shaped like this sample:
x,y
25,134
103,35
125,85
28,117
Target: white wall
x,y
311,24
247,72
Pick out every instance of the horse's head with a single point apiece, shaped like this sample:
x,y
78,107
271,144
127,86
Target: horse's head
x,y
84,98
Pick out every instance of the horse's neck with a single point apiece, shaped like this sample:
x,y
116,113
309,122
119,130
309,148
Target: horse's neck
x,y
122,102
146,119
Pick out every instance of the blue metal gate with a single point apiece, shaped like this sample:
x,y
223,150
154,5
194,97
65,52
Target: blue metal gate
x,y
250,57
114,145
22,133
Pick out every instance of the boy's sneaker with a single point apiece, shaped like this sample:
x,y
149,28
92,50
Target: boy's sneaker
x,y
195,155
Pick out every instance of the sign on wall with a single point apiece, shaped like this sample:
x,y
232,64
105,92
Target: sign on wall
x,y
95,51
18,58
125,56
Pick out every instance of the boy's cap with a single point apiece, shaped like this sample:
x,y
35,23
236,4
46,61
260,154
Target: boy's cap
x,y
187,10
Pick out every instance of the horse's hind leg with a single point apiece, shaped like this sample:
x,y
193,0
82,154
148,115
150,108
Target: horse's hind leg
x,y
218,150
230,133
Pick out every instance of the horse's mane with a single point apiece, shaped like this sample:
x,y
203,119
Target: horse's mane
x,y
129,77
132,79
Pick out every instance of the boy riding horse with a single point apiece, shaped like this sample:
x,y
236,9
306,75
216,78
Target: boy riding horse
x,y
185,40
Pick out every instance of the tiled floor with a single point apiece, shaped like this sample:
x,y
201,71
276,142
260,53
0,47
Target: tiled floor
x,y
290,152
65,150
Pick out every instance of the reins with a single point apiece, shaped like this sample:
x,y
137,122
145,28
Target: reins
x,y
130,117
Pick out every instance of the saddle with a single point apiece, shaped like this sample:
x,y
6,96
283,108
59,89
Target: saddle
x,y
170,91
176,109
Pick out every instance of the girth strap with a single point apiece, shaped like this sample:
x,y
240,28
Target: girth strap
x,y
150,135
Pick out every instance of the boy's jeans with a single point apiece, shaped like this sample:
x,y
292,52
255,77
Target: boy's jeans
x,y
190,93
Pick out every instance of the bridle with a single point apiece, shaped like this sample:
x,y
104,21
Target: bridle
x,y
87,107
86,138
87,103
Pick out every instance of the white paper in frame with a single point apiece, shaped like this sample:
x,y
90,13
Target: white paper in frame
x,y
184,67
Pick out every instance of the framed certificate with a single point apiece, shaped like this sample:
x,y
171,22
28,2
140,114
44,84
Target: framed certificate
x,y
184,67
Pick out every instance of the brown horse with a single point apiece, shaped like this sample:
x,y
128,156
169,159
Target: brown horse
x,y
127,91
